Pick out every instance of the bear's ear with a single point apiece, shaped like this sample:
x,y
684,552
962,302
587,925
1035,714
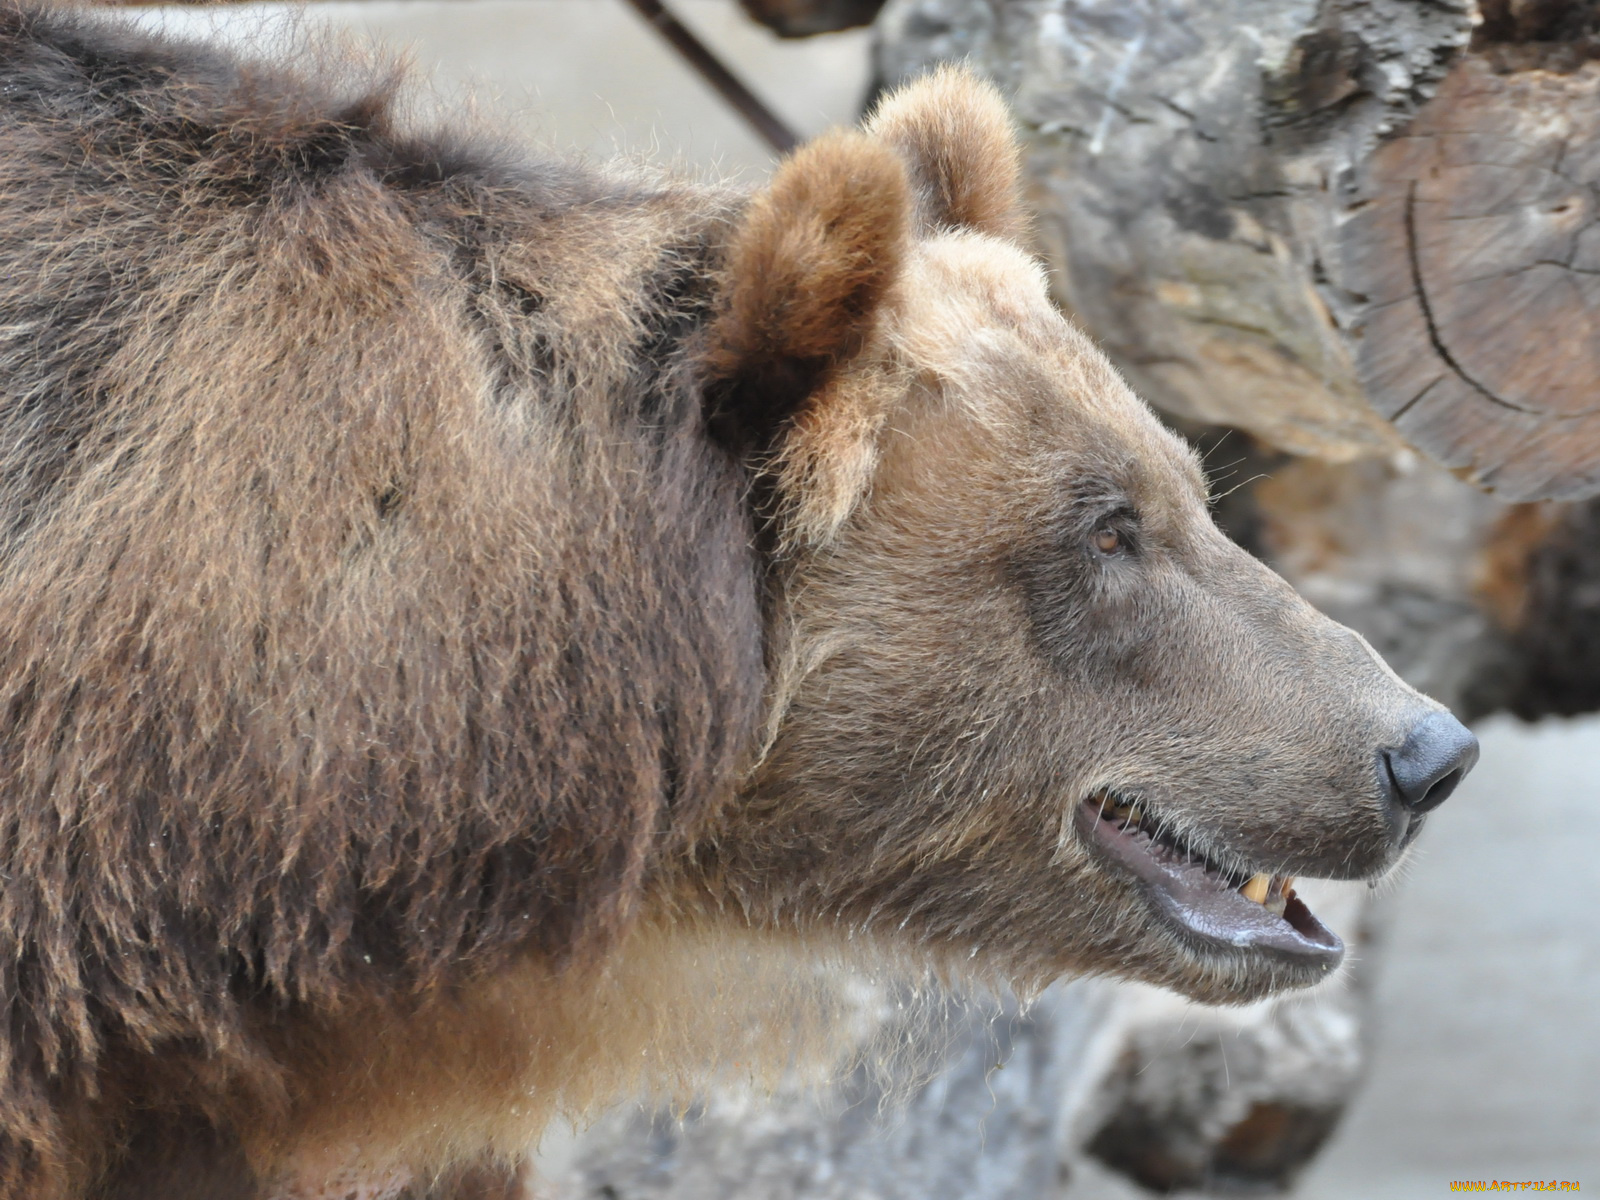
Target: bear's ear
x,y
955,134
807,276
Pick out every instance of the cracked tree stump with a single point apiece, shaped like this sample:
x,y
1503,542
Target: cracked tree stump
x,y
1476,245
1346,227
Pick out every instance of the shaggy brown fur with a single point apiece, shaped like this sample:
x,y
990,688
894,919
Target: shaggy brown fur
x,y
375,607
480,630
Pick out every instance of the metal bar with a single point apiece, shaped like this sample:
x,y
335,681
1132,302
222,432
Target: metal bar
x,y
762,119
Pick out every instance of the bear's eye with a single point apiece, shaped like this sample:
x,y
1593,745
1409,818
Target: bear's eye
x,y
1107,540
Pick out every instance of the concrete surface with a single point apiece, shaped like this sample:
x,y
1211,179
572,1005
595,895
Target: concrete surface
x,y
1487,1062
1488,1051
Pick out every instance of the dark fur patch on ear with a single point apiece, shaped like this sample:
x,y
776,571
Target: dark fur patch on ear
x,y
806,275
955,133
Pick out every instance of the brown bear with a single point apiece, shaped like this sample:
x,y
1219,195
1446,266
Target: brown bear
x,y
484,633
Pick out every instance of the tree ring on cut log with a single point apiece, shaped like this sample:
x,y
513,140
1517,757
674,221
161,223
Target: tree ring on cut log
x,y
1476,245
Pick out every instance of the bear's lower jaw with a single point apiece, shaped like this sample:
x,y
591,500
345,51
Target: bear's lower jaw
x,y
1211,905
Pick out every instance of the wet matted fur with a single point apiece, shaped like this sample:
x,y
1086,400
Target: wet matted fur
x,y
483,634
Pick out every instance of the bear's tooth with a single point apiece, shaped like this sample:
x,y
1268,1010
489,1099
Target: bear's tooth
x,y
1255,888
1277,905
1135,813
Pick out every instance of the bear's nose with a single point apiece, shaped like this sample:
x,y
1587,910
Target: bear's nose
x,y
1436,755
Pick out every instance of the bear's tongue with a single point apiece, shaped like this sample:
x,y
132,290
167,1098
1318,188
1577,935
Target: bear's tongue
x,y
1263,913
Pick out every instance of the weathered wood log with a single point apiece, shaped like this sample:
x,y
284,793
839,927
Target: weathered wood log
x,y
1344,226
1475,242
1542,583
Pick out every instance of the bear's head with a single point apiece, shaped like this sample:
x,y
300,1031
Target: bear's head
x,y
1029,706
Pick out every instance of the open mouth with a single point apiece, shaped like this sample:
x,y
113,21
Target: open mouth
x,y
1250,911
